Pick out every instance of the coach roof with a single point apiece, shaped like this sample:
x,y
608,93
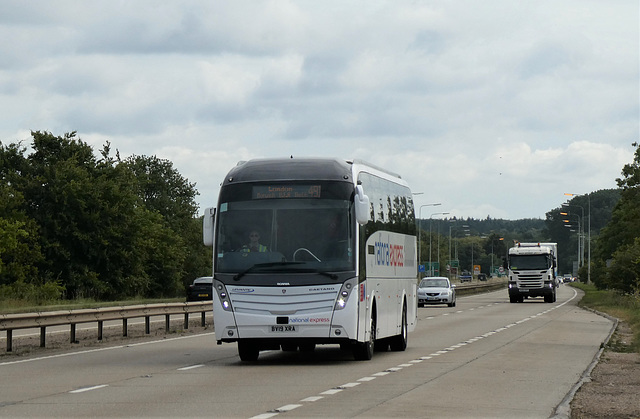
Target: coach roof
x,y
290,169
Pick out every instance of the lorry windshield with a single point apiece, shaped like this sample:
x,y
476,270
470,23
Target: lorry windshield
x,y
285,235
529,262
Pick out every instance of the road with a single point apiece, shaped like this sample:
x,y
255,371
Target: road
x,y
484,358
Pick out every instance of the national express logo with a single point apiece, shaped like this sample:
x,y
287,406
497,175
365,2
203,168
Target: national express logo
x,y
389,254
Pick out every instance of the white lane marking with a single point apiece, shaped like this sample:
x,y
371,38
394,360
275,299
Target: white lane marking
x,y
82,390
190,367
312,399
265,415
332,391
104,349
395,369
288,407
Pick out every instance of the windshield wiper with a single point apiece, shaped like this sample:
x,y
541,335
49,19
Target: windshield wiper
x,y
262,265
239,275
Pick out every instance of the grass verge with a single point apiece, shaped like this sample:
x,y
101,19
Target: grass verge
x,y
624,307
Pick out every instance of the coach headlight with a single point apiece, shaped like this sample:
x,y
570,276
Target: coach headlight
x,y
345,291
223,296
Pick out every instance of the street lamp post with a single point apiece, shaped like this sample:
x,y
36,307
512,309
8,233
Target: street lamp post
x,y
420,227
589,233
566,204
501,238
580,235
430,263
450,267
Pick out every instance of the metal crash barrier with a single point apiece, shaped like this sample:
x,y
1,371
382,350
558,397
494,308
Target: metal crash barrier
x,y
42,320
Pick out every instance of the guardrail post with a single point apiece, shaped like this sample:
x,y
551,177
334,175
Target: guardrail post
x,y
43,335
204,313
147,325
124,327
186,320
167,323
100,327
9,339
72,333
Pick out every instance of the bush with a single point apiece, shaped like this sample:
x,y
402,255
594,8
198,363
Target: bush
x,y
32,294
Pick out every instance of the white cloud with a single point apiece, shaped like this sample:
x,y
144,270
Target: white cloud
x,y
492,109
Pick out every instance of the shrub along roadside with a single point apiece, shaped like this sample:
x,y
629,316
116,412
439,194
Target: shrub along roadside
x,y
625,307
24,306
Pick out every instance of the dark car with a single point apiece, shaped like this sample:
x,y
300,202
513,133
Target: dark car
x,y
465,276
482,277
201,289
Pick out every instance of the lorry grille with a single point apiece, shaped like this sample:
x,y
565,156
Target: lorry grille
x,y
530,280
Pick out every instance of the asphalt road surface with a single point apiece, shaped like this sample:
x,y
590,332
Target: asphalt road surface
x,y
484,358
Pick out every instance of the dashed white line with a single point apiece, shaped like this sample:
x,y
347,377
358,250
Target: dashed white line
x,y
288,407
312,399
265,415
332,391
401,366
190,367
82,390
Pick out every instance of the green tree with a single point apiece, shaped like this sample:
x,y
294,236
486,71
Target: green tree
x,y
98,237
616,251
165,191
19,248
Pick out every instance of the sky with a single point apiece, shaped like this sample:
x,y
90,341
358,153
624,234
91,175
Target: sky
x,y
492,108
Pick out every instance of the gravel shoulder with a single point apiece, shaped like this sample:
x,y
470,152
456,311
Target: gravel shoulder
x,y
613,390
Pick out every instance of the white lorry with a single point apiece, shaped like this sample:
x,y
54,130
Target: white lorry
x,y
532,271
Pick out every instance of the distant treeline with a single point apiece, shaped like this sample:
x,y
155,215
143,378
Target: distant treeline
x,y
606,223
77,225
74,224
499,234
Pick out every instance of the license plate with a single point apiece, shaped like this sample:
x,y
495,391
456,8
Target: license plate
x,y
523,290
283,328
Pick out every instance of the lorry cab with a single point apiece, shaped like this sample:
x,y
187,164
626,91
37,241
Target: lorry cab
x,y
531,271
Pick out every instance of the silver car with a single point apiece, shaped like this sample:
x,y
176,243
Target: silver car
x,y
436,290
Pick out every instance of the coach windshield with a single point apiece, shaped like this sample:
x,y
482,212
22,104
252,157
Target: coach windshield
x,y
285,235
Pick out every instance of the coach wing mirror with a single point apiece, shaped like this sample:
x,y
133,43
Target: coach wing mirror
x,y
362,206
207,226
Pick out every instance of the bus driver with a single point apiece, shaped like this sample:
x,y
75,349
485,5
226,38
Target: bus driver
x,y
254,243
